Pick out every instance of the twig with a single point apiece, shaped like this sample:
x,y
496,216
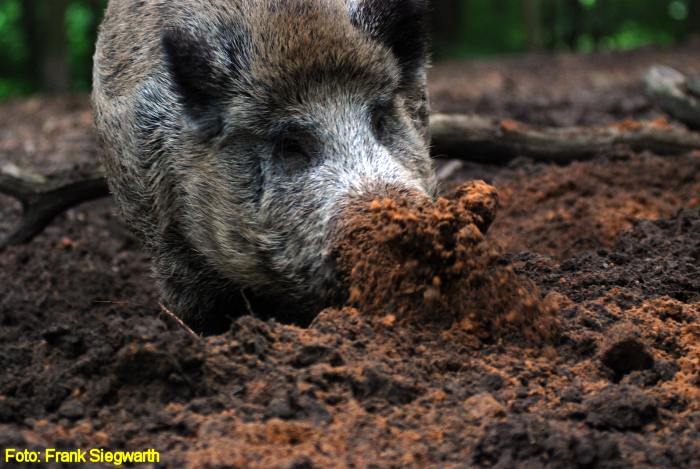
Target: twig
x,y
123,303
248,306
178,321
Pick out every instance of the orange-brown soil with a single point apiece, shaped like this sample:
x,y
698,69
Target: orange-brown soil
x,y
411,259
88,359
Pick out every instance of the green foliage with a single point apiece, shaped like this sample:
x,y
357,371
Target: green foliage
x,y
490,27
19,69
13,51
80,23
483,28
11,41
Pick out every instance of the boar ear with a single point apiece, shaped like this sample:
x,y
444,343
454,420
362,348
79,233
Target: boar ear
x,y
190,63
401,25
203,74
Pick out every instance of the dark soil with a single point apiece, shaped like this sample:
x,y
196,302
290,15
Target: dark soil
x,y
612,245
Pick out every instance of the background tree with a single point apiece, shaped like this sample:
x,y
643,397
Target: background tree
x,y
446,23
532,14
50,44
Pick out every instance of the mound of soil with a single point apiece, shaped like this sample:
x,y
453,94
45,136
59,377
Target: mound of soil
x,y
414,260
87,358
618,384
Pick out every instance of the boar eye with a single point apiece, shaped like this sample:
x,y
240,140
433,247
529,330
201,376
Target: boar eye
x,y
293,153
380,116
292,147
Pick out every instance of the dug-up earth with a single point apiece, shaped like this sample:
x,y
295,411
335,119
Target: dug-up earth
x,y
567,336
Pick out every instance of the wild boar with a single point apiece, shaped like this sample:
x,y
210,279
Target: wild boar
x,y
234,132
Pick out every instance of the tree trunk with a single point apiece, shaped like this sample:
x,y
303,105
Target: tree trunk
x,y
446,22
550,20
52,67
693,24
30,31
574,11
533,22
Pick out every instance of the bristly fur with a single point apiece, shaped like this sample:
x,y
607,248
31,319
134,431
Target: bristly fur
x,y
234,132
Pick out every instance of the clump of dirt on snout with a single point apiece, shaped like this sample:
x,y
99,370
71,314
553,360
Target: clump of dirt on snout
x,y
411,259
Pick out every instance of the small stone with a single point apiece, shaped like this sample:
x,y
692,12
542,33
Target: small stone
x,y
492,381
72,409
571,394
621,408
482,406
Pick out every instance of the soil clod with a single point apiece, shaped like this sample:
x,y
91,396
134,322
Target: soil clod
x,y
418,260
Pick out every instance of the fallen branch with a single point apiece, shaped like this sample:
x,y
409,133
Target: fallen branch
x,y
45,197
473,138
675,94
482,139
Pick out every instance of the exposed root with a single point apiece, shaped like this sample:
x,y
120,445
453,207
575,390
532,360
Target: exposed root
x,y
45,197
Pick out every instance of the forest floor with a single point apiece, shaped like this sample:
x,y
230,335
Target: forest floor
x,y
87,359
